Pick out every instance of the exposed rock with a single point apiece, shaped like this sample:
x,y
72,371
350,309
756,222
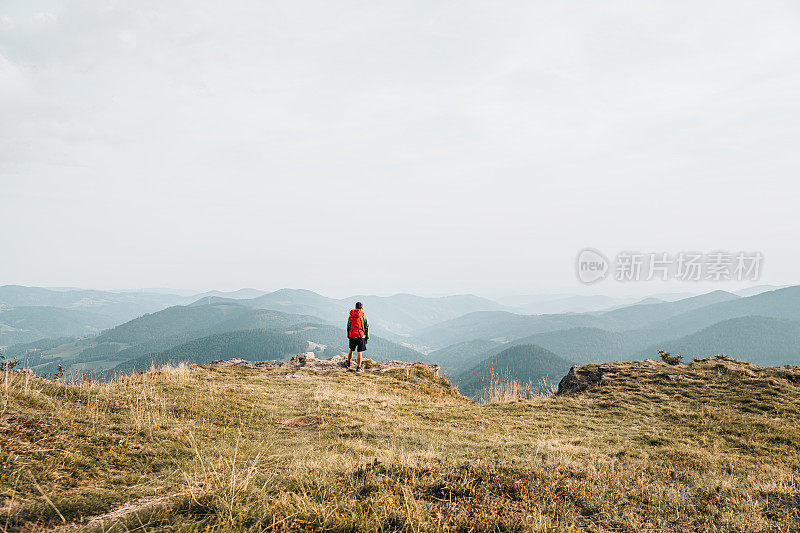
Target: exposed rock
x,y
303,358
249,364
309,361
581,377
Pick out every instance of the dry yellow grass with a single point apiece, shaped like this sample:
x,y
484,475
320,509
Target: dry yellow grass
x,y
197,448
502,388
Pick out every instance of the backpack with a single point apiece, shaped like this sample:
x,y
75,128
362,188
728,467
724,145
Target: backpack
x,y
355,325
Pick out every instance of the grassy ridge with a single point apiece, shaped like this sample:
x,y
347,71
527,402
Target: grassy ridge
x,y
711,445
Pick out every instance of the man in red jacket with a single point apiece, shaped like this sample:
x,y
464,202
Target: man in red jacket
x,y
357,334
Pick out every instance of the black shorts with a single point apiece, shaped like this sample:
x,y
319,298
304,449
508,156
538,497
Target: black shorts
x,y
358,344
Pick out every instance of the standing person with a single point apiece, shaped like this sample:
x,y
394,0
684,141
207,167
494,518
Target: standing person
x,y
357,334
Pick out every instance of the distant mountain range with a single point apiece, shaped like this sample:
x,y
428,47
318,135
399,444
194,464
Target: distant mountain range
x,y
462,355
241,294
504,326
391,316
765,341
107,331
538,304
198,333
29,323
582,345
759,328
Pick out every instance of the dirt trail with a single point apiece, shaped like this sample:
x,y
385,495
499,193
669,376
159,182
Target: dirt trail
x,y
125,510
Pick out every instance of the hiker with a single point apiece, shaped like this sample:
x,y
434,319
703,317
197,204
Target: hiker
x,y
357,334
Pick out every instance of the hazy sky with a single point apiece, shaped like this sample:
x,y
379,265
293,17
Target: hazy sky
x,y
427,147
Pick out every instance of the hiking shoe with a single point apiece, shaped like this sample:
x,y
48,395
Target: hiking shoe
x,y
360,370
346,364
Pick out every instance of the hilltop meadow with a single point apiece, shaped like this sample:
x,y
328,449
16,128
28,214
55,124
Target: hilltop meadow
x,y
707,446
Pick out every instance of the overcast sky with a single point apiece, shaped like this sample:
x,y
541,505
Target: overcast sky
x,y
356,147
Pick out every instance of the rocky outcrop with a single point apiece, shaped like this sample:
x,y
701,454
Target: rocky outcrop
x,y
580,378
309,361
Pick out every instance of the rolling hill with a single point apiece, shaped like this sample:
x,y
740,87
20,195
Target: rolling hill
x,y
758,289
463,342
781,303
660,324
240,294
526,363
183,320
582,345
117,307
179,331
508,326
458,357
766,341
148,334
390,316
498,326
539,304
639,315
28,324
266,344
252,345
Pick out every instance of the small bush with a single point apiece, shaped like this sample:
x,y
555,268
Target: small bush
x,y
669,358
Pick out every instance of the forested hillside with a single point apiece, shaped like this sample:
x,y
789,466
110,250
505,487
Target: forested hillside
x,y
528,364
197,333
765,341
46,337
252,345
27,324
458,357
631,332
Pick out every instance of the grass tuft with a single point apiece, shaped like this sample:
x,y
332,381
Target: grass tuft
x,y
503,388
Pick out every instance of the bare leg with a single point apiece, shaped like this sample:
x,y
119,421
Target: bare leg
x,y
358,361
350,357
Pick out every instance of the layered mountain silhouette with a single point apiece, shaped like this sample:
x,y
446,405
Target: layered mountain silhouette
x,y
78,329
392,316
198,333
765,341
